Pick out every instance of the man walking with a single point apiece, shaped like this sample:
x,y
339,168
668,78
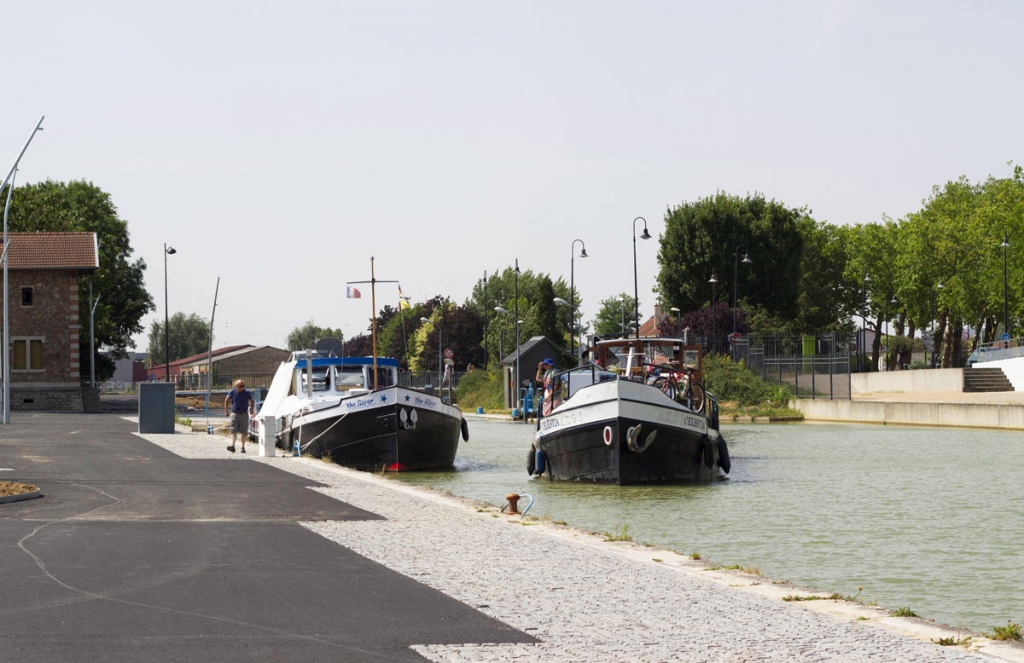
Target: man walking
x,y
238,405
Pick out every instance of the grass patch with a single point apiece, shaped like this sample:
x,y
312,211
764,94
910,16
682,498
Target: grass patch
x,y
481,389
657,559
1009,632
695,555
622,535
184,421
905,611
798,597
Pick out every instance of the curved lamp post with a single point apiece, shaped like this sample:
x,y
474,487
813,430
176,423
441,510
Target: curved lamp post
x,y
1006,316
636,289
572,294
622,323
168,251
485,321
735,281
501,349
714,285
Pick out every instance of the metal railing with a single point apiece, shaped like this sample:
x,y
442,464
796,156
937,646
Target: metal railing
x,y
812,366
1008,349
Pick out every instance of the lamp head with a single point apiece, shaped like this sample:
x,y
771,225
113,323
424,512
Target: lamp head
x,y
714,278
171,251
645,235
500,310
940,286
746,259
424,320
583,252
561,302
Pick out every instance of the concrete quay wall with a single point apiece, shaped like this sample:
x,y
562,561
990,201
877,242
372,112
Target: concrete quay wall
x,y
959,415
939,379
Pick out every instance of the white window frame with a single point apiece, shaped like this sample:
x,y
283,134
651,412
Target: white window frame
x,y
28,354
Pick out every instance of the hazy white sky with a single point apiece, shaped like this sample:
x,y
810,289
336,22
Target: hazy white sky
x,y
279,145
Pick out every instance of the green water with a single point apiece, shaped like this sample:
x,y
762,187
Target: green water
x,y
925,518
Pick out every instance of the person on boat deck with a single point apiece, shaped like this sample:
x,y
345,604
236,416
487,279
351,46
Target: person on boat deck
x,y
546,374
238,405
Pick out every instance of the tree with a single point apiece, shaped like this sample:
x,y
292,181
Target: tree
x,y
306,336
461,329
615,317
119,282
190,335
701,239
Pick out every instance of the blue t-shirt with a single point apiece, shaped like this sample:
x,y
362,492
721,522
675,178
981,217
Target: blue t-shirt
x,y
239,400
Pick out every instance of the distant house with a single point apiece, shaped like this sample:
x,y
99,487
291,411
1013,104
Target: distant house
x,y
651,328
531,353
44,270
254,363
130,370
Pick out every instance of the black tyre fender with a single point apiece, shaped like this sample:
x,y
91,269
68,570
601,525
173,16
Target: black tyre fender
x,y
531,461
465,431
723,455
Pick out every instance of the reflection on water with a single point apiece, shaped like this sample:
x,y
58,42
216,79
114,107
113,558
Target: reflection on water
x,y
925,518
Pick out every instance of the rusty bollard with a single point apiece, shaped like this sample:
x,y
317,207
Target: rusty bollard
x,y
513,502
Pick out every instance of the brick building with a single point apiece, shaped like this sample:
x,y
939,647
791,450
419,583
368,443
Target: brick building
x,y
228,363
43,308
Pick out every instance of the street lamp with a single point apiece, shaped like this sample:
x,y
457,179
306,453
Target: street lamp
x,y
486,365
501,338
1006,316
863,319
5,414
714,284
934,345
636,289
622,323
168,251
572,293
440,361
735,281
675,309
517,335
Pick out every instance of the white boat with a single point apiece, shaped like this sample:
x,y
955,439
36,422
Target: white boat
x,y
634,425
352,410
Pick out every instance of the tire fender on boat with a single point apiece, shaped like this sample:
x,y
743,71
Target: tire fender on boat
x,y
465,431
540,462
531,460
723,455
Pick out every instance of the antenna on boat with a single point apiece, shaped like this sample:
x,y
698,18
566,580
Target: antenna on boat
x,y
373,319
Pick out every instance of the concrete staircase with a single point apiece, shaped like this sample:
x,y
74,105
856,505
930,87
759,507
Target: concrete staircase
x,y
986,379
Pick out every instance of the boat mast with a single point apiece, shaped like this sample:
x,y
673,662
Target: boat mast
x,y
373,318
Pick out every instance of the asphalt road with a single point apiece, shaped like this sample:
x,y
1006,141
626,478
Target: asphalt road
x,y
134,553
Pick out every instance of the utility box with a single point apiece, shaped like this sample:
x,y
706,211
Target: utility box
x,y
267,435
156,407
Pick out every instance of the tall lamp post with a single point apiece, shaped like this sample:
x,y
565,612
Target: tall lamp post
x,y
561,302
636,287
1006,316
934,344
735,281
622,323
572,294
168,251
517,335
5,410
485,322
864,320
440,359
714,285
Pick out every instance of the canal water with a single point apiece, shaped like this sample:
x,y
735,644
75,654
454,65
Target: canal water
x,y
929,519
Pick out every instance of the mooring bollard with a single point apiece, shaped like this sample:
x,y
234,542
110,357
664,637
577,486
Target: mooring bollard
x,y
513,502
209,429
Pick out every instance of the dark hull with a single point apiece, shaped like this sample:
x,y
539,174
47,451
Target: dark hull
x,y
587,438
388,438
675,455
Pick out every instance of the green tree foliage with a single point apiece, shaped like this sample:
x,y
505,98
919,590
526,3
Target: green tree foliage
x,y
614,316
305,336
190,335
461,329
705,236
118,283
500,291
396,329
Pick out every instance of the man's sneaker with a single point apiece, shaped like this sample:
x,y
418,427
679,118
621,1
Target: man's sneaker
x,y
231,448
243,449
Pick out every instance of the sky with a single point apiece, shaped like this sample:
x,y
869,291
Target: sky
x,y
279,145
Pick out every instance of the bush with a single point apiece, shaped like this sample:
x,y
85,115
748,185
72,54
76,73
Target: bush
x,y
729,381
481,389
918,364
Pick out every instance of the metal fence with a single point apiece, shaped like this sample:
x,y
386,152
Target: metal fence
x,y
812,366
415,380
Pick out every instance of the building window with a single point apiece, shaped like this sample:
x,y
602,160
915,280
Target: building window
x,y
28,354
26,297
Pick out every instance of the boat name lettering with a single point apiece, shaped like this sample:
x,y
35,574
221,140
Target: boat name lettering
x,y
359,403
696,422
424,402
549,423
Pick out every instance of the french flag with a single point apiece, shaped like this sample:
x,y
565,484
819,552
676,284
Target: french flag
x,y
352,293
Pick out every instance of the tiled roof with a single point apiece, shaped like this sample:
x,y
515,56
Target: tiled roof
x,y
203,355
72,250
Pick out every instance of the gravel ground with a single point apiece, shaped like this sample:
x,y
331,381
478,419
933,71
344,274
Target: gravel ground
x,y
587,599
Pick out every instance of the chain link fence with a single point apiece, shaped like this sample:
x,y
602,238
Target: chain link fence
x,y
812,366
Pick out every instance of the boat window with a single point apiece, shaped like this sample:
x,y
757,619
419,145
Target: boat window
x,y
385,377
348,377
319,380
